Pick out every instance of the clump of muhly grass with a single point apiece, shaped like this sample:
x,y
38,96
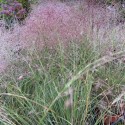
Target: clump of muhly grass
x,y
33,91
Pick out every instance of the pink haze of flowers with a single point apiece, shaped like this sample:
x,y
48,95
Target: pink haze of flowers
x,y
51,23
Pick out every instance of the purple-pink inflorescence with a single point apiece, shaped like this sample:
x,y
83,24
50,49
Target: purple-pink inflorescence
x,y
51,23
54,22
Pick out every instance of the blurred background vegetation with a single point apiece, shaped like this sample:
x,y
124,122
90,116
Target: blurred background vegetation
x,y
17,10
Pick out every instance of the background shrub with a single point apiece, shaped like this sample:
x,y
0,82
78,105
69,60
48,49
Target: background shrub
x,y
14,10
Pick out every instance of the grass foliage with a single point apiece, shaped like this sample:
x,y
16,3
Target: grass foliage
x,y
56,86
